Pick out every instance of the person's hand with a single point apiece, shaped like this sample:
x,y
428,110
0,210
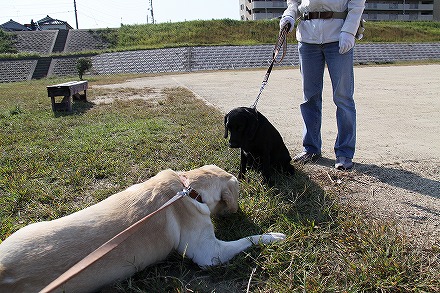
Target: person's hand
x,y
287,20
346,42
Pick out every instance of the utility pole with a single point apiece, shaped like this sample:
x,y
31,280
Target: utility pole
x,y
151,11
76,14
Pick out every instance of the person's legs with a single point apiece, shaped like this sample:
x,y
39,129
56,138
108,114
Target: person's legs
x,y
312,63
340,68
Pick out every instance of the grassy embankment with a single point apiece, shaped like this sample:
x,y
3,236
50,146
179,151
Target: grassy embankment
x,y
234,32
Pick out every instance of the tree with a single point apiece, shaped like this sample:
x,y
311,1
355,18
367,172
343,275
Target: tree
x,y
83,65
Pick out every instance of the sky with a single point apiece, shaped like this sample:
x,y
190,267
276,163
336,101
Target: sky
x,y
111,13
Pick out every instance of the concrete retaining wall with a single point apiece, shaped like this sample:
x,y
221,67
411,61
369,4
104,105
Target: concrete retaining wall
x,y
188,59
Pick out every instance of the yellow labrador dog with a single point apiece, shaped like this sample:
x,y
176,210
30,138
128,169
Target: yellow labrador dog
x,y
37,254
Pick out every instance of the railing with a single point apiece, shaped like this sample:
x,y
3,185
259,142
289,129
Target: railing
x,y
393,7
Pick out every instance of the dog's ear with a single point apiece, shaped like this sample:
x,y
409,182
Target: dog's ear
x,y
226,128
252,119
230,195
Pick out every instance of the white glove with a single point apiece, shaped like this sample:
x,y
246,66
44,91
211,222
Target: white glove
x,y
286,20
346,42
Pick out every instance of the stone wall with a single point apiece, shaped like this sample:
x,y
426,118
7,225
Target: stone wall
x,y
189,59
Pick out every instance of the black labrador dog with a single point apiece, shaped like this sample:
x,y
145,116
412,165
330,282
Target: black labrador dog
x,y
262,147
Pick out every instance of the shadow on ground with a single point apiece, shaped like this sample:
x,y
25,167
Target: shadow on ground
x,y
396,177
78,108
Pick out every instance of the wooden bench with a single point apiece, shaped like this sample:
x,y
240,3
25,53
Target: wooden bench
x,y
69,90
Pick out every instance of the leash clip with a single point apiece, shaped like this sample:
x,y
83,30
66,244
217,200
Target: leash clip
x,y
185,191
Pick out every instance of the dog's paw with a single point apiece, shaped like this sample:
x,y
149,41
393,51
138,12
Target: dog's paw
x,y
272,237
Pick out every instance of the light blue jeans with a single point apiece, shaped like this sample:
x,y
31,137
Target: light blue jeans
x,y
312,59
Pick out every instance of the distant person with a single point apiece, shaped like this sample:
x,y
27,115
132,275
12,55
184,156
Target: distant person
x,y
33,26
326,35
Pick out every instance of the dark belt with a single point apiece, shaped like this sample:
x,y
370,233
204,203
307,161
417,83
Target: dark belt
x,y
323,15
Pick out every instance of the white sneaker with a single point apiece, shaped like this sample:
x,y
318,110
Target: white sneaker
x,y
343,163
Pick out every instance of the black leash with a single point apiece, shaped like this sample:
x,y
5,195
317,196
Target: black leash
x,y
281,42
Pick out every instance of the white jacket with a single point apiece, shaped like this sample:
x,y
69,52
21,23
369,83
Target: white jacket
x,y
321,31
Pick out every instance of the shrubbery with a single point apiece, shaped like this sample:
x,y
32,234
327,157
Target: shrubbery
x,y
7,43
83,65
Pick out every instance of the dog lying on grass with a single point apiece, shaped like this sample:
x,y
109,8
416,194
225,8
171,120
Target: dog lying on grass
x,y
37,254
262,147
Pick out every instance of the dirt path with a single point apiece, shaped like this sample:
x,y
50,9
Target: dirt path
x,y
397,161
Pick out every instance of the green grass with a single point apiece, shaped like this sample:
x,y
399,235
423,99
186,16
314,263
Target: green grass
x,y
230,32
401,31
235,32
198,33
53,165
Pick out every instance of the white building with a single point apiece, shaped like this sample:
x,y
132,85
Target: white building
x,y
402,10
405,10
261,9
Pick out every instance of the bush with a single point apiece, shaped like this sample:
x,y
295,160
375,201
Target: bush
x,y
83,65
7,43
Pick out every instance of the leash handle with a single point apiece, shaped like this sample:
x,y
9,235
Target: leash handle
x,y
108,246
281,42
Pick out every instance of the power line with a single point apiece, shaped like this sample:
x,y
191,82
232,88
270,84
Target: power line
x,y
36,14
